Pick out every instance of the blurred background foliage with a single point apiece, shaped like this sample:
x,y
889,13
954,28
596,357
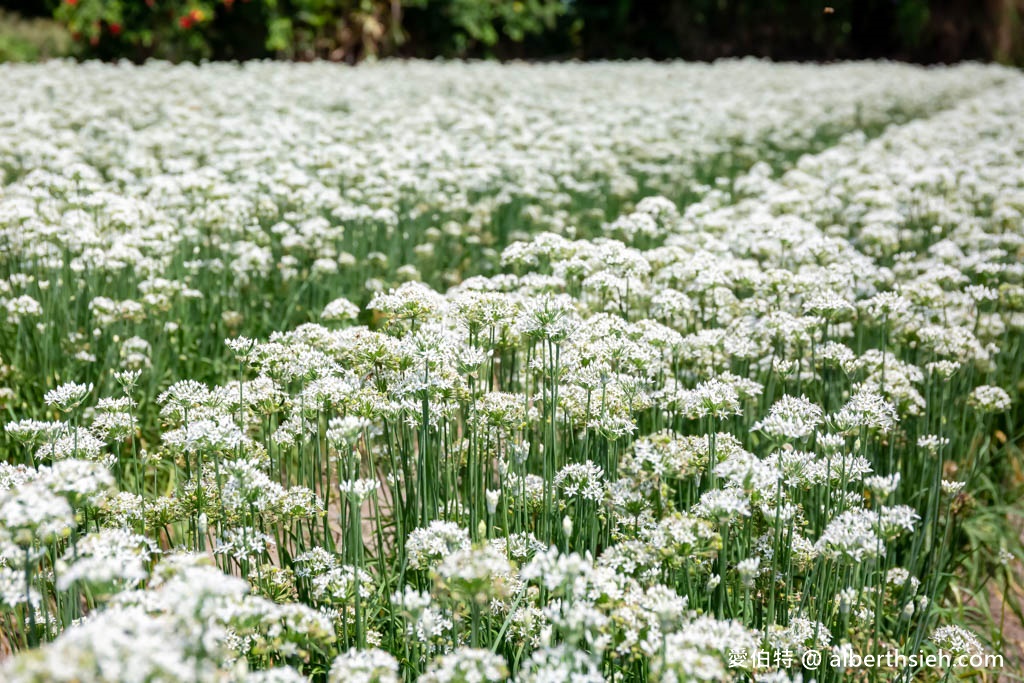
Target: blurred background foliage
x,y
352,30
32,39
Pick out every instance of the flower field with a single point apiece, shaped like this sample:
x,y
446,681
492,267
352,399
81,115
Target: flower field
x,y
451,373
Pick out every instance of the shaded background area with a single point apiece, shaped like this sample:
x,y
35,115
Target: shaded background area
x,y
918,30
926,31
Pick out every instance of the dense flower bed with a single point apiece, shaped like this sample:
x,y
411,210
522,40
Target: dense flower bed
x,y
447,372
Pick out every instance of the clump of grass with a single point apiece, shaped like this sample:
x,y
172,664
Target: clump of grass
x,y
32,40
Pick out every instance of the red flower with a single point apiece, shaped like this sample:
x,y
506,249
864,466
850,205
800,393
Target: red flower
x,y
191,19
71,3
115,29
